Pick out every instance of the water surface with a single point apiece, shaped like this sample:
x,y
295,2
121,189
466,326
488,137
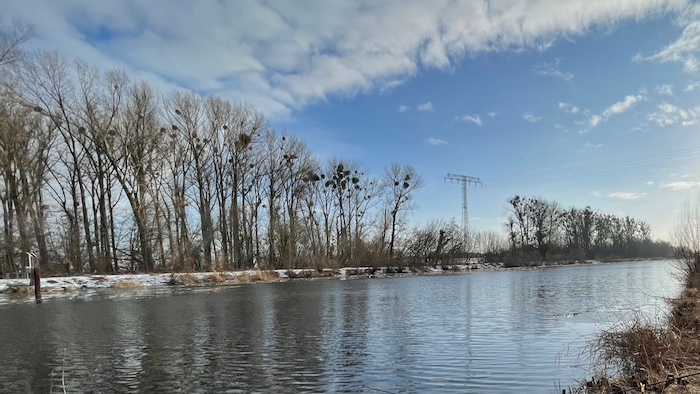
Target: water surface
x,y
512,331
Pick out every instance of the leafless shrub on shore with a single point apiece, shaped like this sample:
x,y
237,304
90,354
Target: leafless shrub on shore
x,y
243,278
267,276
217,277
127,284
649,353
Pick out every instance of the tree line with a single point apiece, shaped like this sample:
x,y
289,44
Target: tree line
x,y
540,228
536,230
104,174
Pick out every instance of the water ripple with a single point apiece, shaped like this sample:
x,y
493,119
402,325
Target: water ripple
x,y
485,332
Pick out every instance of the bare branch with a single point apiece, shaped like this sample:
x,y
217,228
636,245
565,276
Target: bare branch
x,y
11,39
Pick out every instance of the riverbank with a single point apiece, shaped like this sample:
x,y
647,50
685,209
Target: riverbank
x,y
227,278
652,356
54,284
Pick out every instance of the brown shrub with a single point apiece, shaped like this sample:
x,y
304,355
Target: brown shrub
x,y
217,277
243,278
22,289
127,284
326,273
184,279
685,312
267,276
645,352
640,348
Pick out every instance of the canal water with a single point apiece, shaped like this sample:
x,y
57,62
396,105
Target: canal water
x,y
495,332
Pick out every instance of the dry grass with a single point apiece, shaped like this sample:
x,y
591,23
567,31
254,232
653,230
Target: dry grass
x,y
127,284
685,312
267,276
21,289
652,355
184,279
242,278
217,277
259,276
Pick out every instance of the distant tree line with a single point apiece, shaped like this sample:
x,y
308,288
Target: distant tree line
x,y
536,230
541,229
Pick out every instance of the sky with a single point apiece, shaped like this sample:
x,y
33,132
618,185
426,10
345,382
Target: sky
x,y
587,103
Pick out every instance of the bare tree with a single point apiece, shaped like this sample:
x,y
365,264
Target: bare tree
x,y
98,102
174,177
686,240
320,212
437,242
11,39
578,227
187,115
399,182
242,127
533,222
489,243
298,163
131,152
25,140
48,87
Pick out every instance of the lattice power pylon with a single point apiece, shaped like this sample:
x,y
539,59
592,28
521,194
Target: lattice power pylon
x,y
464,180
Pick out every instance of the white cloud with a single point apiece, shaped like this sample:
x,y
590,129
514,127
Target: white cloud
x,y
426,107
624,105
669,114
665,89
681,185
391,85
649,183
626,196
596,193
530,117
590,145
552,70
435,141
569,108
619,107
595,120
403,108
476,119
683,50
281,58
492,114
692,86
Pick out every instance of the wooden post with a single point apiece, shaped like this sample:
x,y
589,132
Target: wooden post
x,y
37,284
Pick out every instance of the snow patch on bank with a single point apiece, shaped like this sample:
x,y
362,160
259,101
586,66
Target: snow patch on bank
x,y
133,281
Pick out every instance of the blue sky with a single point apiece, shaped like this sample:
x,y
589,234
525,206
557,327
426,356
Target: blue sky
x,y
583,102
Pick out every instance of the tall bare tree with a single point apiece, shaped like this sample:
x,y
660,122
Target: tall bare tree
x,y
25,141
132,153
399,182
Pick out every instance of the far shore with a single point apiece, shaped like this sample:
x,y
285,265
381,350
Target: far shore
x,y
53,284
